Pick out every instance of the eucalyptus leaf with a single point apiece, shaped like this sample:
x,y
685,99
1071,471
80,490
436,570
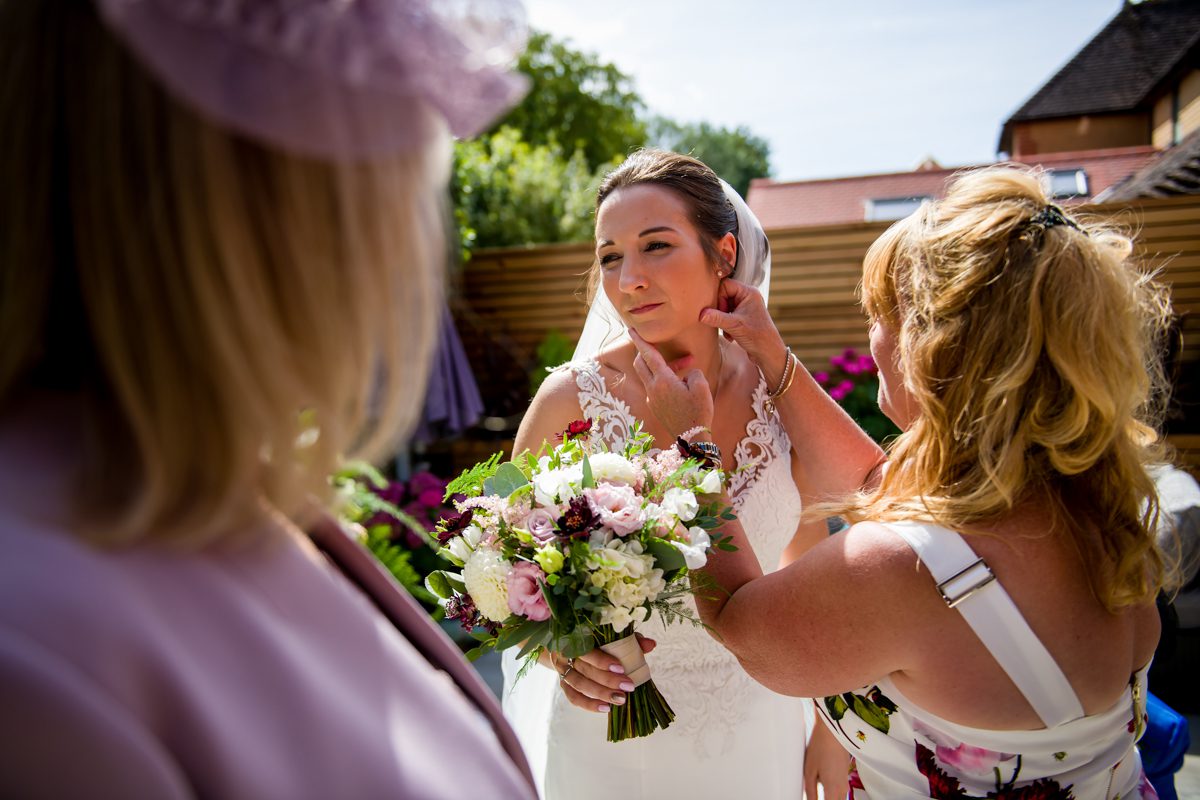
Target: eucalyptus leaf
x,y
508,479
666,556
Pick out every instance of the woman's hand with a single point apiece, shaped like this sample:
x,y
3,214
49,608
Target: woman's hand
x,y
596,680
742,314
680,403
826,763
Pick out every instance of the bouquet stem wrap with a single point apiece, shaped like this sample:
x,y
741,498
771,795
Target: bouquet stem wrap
x,y
645,709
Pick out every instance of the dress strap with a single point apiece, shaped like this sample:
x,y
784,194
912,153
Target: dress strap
x,y
612,416
967,584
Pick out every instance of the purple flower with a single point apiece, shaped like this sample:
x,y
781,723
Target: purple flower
x,y
540,525
578,520
867,364
852,367
821,377
454,524
849,354
462,608
430,498
841,390
838,361
427,482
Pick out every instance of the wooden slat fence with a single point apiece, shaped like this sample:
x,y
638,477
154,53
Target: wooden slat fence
x,y
507,300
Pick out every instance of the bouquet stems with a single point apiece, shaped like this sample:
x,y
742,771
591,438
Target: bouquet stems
x,y
645,709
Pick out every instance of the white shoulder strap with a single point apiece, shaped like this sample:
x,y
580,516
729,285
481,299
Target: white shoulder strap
x,y
610,414
967,584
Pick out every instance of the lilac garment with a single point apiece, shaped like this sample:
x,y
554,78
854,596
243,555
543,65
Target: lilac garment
x,y
452,401
260,672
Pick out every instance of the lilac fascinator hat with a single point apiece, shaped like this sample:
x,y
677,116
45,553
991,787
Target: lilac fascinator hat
x,y
331,79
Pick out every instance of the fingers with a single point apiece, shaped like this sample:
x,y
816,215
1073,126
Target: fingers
x,y
591,684
646,642
724,320
652,359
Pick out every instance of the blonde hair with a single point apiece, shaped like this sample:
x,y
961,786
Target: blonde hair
x,y
1031,352
204,296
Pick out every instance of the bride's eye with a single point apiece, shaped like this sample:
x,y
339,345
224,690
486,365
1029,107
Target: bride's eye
x,y
608,259
657,246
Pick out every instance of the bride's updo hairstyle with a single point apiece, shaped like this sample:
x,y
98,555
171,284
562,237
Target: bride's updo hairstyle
x,y
693,182
1029,342
205,299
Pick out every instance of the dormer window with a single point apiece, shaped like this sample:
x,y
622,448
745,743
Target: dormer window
x,y
1061,183
881,209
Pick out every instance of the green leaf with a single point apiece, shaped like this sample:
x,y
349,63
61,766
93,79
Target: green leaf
x,y
870,713
589,482
508,479
578,643
444,584
836,707
471,481
666,556
475,652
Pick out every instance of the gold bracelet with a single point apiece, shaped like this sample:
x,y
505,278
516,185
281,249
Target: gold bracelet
x,y
785,382
787,363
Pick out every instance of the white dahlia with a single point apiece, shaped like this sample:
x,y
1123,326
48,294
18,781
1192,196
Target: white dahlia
x,y
486,577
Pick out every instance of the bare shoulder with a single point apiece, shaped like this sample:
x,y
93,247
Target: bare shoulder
x,y
555,406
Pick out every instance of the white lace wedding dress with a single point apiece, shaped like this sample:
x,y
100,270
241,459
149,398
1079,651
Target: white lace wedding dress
x,y
731,737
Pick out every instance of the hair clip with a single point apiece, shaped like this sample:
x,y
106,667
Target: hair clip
x,y
1052,215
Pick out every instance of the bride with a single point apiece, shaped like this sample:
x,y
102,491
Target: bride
x,y
668,232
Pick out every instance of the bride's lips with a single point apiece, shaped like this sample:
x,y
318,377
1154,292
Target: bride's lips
x,y
645,308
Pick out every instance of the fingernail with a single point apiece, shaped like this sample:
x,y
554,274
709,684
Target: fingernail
x,y
602,707
627,686
617,668
618,698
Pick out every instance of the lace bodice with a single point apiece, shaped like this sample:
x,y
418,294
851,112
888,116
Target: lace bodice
x,y
701,679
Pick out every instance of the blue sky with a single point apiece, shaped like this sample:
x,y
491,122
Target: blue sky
x,y
841,87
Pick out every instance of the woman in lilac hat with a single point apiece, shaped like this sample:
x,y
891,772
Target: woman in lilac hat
x,y
220,219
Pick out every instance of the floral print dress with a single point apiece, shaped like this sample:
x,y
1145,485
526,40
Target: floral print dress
x,y
902,751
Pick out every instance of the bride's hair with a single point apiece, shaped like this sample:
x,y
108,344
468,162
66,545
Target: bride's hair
x,y
205,297
1030,345
692,181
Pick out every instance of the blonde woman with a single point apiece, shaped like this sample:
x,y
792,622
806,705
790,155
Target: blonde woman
x,y
985,627
221,219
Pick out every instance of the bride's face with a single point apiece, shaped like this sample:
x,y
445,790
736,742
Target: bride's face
x,y
652,265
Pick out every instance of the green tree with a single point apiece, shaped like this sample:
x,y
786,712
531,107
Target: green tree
x,y
577,102
508,191
737,155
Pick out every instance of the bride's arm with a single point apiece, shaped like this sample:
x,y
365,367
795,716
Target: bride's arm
x,y
835,456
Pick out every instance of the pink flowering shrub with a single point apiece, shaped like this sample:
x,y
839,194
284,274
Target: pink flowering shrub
x,y
853,381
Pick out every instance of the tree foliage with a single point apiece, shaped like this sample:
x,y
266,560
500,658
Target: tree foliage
x,y
736,154
577,102
533,178
508,191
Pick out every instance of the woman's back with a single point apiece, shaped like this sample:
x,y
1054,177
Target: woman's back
x,y
953,675
984,705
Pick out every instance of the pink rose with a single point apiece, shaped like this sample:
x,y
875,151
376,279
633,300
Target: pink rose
x,y
618,507
540,524
525,596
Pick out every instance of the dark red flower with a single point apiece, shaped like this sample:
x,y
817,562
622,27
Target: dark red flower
x,y
1044,789
462,608
578,520
941,785
454,524
579,429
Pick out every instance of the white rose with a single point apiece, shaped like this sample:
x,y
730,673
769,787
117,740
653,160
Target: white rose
x,y
695,553
486,577
680,502
613,467
459,551
472,536
554,485
711,483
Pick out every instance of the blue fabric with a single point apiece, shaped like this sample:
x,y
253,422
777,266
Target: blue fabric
x,y
1163,746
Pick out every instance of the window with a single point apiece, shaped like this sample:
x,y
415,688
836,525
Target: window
x,y
1066,182
888,208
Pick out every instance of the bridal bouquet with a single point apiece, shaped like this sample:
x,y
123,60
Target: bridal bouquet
x,y
570,549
